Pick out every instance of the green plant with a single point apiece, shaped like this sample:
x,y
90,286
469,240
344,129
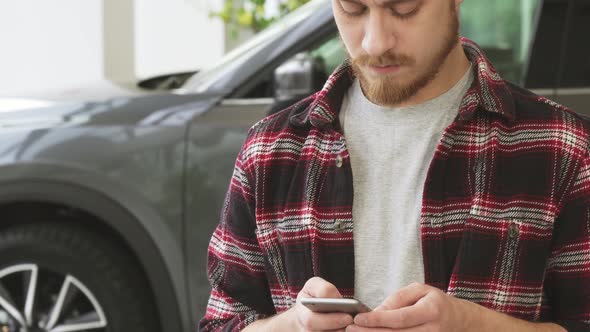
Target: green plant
x,y
252,14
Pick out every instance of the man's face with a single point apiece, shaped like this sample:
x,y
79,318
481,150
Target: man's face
x,y
396,46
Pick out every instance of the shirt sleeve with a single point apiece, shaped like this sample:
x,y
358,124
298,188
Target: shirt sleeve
x,y
567,278
240,293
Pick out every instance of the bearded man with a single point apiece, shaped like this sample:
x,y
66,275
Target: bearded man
x,y
471,206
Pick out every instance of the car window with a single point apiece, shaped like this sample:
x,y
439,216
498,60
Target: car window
x,y
201,81
332,53
504,29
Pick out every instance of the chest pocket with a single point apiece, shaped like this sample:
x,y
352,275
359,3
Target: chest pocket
x,y
499,253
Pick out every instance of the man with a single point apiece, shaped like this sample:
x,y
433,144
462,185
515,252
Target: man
x,y
471,205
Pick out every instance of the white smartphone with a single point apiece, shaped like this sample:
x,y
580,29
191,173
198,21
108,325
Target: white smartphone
x,y
326,305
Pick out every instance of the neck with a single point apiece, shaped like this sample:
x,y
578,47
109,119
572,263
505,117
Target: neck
x,y
451,71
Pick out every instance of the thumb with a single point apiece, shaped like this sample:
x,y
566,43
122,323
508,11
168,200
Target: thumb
x,y
318,287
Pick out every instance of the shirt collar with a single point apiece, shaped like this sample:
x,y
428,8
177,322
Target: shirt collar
x,y
488,91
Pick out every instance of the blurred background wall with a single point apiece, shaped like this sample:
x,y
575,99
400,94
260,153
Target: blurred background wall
x,y
63,44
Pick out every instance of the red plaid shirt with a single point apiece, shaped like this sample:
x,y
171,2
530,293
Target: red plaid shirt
x,y
505,213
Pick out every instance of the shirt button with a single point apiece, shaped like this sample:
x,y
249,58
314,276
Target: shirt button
x,y
476,167
338,161
338,225
513,230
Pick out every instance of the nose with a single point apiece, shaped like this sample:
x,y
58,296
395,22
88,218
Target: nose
x,y
379,37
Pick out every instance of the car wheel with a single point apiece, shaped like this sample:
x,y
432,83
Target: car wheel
x,y
61,277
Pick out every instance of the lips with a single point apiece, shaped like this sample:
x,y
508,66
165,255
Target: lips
x,y
387,69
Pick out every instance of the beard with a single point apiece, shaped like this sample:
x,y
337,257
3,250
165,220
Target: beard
x,y
391,91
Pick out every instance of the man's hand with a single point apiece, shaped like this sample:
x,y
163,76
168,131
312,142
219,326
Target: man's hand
x,y
421,308
301,319
417,308
307,320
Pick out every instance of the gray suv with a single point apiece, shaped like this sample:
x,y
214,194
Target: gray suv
x,y
107,206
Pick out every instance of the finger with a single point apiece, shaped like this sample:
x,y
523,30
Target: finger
x,y
405,297
314,321
403,318
318,287
356,328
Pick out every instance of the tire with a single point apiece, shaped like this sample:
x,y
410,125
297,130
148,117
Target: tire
x,y
106,290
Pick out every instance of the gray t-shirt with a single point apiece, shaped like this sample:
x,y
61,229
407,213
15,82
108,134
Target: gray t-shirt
x,y
390,152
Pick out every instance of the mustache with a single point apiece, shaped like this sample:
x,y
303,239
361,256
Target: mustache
x,y
387,59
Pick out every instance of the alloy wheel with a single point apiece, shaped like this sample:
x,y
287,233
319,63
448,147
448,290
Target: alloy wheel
x,y
35,299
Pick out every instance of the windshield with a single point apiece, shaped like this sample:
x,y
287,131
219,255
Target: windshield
x,y
207,77
504,29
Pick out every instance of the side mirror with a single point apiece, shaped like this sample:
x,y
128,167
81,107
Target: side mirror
x,y
299,77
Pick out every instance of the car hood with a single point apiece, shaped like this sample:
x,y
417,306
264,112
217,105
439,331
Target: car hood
x,y
95,91
150,110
